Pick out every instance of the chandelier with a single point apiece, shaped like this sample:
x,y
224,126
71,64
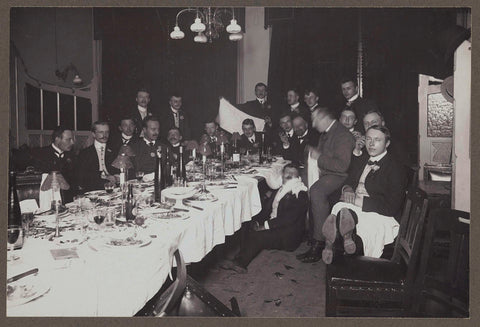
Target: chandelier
x,y
208,25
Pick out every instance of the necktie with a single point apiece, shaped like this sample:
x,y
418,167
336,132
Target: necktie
x,y
151,144
125,141
177,121
252,141
301,139
371,163
102,159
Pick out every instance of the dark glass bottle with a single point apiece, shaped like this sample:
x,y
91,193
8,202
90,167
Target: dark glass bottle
x,y
14,214
167,172
235,155
130,204
159,180
260,149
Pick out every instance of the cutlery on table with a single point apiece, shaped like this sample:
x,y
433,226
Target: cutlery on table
x,y
25,274
192,206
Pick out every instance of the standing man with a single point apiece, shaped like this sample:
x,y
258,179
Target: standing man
x,y
176,117
311,99
95,162
294,105
332,156
142,110
58,156
358,104
127,134
145,149
260,107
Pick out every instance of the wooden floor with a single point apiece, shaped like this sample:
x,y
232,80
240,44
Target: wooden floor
x,y
276,285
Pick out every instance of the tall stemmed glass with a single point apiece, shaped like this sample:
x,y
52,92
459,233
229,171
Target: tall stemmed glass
x,y
12,237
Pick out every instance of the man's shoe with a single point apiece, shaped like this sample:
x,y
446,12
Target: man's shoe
x,y
313,255
346,227
329,230
304,254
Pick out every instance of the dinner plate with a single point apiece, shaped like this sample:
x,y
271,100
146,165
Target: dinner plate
x,y
170,215
96,192
126,242
25,290
202,197
51,216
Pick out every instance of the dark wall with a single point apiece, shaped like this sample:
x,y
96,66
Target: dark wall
x,y
138,52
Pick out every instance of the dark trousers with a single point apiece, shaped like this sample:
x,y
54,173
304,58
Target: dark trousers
x,y
320,207
255,242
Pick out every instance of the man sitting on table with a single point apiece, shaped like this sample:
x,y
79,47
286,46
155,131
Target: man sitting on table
x,y
213,137
303,136
283,219
145,149
250,140
372,196
94,162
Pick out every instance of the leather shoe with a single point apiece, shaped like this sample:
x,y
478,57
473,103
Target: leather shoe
x,y
313,255
329,230
346,228
311,242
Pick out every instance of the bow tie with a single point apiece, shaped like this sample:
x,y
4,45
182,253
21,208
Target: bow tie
x,y
371,163
151,144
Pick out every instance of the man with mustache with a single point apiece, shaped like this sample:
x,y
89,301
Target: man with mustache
x,y
94,162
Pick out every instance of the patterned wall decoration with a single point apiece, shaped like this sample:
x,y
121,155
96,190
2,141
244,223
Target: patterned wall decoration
x,y
439,116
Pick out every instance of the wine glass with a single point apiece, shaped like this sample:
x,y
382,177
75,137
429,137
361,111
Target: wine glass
x,y
99,216
139,175
13,235
109,186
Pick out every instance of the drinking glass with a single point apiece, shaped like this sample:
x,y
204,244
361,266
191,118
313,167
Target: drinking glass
x,y
109,186
139,175
14,232
99,215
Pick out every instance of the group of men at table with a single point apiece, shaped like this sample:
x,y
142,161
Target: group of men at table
x,y
341,154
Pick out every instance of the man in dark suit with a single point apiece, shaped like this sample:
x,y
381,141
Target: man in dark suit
x,y
280,224
126,135
360,105
145,149
176,117
294,107
174,138
250,140
213,137
141,111
285,136
304,136
311,99
58,156
94,167
372,198
332,157
260,107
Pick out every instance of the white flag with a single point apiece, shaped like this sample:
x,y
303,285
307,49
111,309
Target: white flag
x,y
230,118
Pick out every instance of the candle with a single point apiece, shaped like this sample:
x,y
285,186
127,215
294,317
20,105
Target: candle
x,y
204,158
194,153
222,148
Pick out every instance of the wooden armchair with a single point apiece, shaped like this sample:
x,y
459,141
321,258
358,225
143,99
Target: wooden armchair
x,y
365,286
445,283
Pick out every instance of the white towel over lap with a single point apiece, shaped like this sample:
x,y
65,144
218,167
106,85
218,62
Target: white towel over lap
x,y
375,230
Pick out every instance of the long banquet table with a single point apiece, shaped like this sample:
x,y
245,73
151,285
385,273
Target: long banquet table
x,y
106,281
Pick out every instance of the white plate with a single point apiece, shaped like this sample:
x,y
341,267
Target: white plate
x,y
178,192
129,242
170,215
96,192
25,290
51,217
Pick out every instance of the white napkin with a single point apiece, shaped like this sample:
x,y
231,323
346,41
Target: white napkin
x,y
28,205
148,177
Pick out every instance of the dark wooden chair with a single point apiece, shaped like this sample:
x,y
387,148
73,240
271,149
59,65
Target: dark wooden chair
x,y
167,304
443,283
365,286
28,185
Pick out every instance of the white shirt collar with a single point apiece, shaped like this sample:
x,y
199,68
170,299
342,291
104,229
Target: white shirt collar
x,y
295,106
330,126
313,107
355,97
379,157
252,137
262,100
352,129
99,145
142,109
176,145
147,141
290,133
174,110
126,137
57,149
304,134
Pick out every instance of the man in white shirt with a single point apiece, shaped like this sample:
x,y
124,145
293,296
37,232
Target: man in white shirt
x,y
311,99
94,162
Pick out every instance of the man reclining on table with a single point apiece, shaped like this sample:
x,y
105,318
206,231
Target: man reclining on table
x,y
284,222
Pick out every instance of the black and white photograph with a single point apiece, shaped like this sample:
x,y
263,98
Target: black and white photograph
x,y
260,162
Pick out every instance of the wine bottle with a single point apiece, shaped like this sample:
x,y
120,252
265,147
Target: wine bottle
x,y
159,180
167,172
130,204
14,214
260,149
235,155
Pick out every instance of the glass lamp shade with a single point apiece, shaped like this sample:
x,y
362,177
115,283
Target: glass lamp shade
x,y
122,161
177,34
233,27
235,36
127,150
54,180
200,38
197,26
77,80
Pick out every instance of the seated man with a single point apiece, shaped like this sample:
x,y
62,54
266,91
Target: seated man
x,y
213,137
284,222
372,196
304,136
250,140
174,139
126,136
145,149
285,136
95,162
58,156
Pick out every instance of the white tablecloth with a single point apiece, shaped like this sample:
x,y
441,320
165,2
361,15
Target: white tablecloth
x,y
119,282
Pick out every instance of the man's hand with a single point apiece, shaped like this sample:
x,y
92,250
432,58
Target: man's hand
x,y
359,145
349,197
314,153
358,201
284,139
